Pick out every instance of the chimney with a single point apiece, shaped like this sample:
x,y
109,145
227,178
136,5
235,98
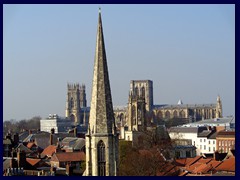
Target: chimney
x,y
21,158
51,136
15,139
75,131
13,163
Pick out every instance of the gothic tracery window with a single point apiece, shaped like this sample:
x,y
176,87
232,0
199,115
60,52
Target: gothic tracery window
x,y
136,91
143,92
167,115
101,159
71,103
133,115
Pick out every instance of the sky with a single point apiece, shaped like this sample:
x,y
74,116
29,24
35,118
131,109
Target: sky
x,y
188,51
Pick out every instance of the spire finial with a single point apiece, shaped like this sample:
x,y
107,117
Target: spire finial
x,y
99,9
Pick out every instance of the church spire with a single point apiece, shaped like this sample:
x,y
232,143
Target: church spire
x,y
101,139
101,118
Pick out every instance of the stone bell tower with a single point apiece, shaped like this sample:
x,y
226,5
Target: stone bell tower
x,y
102,137
73,103
136,109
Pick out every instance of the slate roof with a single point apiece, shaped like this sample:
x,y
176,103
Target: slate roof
x,y
7,141
213,135
184,106
24,148
42,139
204,133
80,143
187,129
212,122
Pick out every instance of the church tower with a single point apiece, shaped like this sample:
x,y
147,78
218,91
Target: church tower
x,y
219,108
73,103
83,101
137,109
102,137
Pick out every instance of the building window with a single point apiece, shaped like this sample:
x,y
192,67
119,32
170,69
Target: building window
x,y
213,149
201,147
204,140
204,147
209,142
188,154
200,140
209,149
213,142
101,159
177,154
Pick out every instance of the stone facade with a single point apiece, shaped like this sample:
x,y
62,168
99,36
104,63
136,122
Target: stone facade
x,y
102,137
76,99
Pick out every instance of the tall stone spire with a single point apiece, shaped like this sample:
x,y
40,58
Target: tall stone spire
x,y
101,113
101,139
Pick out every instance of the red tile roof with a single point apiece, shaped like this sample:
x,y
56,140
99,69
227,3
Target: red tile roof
x,y
30,145
204,161
227,165
182,162
33,162
68,156
49,151
194,160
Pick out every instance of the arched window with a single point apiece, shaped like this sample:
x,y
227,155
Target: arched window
x,y
160,115
167,115
143,92
101,158
136,91
133,115
182,114
72,117
71,103
175,114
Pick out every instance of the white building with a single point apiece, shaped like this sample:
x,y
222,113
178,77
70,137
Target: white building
x,y
54,121
206,142
185,135
203,138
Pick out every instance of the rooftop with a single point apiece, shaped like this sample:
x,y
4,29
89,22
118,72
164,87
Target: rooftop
x,y
215,122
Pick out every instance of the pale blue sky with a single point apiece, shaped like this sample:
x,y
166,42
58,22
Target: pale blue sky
x,y
188,51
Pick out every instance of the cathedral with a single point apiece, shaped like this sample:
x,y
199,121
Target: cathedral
x,y
140,106
139,114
